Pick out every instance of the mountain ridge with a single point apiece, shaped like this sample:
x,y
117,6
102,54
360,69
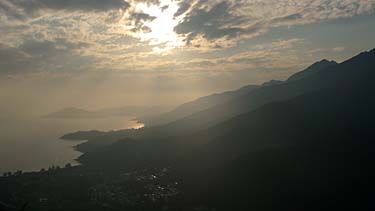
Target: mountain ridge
x,y
258,97
344,76
194,106
299,150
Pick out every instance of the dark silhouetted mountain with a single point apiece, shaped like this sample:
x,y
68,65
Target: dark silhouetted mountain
x,y
354,74
251,101
309,151
195,106
207,102
330,77
313,69
313,151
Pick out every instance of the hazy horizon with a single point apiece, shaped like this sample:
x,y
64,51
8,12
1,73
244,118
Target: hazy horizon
x,y
104,54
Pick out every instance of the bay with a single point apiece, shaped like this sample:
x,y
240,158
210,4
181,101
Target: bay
x,y
32,143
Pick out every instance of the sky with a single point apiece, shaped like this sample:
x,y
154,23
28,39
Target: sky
x,y
106,53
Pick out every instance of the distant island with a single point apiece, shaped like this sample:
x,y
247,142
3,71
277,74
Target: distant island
x,y
73,113
82,135
128,111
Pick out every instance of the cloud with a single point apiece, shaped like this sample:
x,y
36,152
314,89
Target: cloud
x,y
244,19
139,18
12,60
279,54
212,24
31,6
275,55
183,7
71,35
35,56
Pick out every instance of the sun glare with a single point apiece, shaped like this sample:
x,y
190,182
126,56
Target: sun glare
x,y
162,34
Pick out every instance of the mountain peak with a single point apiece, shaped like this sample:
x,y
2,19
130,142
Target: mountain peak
x,y
272,82
324,62
312,69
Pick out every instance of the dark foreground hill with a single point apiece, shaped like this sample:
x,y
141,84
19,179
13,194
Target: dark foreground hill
x,y
313,152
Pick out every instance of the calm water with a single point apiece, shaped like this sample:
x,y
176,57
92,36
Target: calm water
x,y
33,143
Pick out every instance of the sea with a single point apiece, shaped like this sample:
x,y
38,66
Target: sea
x,y
33,142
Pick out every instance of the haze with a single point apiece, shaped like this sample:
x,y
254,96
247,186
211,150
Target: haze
x,y
112,53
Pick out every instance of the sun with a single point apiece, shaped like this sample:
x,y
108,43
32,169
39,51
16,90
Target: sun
x,y
161,34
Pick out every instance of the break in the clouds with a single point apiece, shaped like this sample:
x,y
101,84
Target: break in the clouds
x,y
161,35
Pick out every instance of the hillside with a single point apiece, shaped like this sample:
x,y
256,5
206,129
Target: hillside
x,y
314,149
353,77
195,106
